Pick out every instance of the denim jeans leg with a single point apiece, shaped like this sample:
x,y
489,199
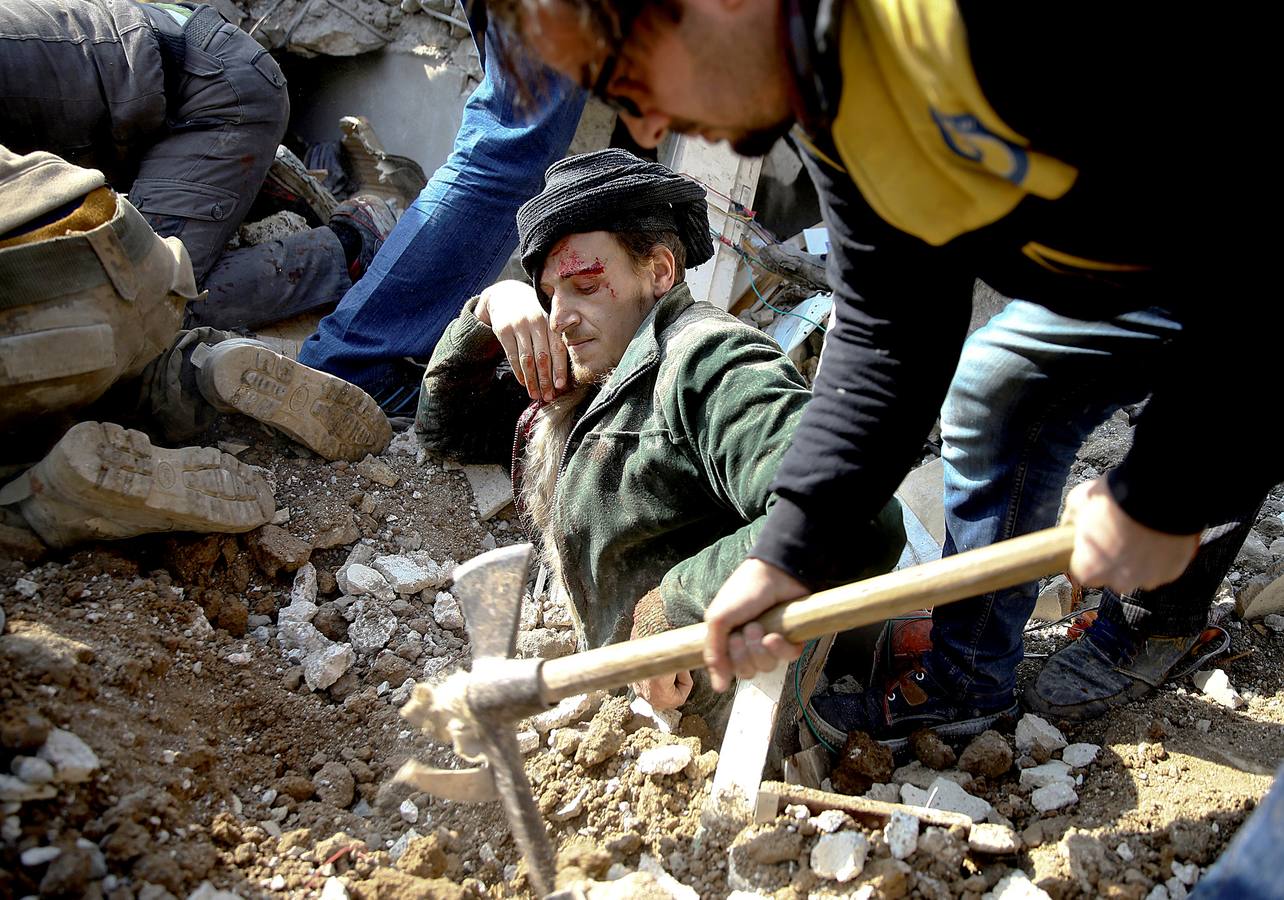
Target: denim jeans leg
x,y
1030,386
453,241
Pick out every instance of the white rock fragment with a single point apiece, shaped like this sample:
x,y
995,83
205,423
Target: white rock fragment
x,y
668,759
886,793
1158,892
26,587
901,834
301,611
527,741
1076,756
1046,774
364,580
239,658
492,489
398,849
334,889
1016,885
446,611
408,811
404,575
1176,890
1124,851
71,757
947,795
1217,687
207,891
11,829
372,627
664,721
303,636
840,857
572,807
327,665
1186,873
829,821
649,865
32,770
1033,731
996,840
277,883
38,856
304,589
1056,795
568,712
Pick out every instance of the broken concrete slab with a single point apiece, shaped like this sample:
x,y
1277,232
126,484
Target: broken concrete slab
x,y
1262,596
492,489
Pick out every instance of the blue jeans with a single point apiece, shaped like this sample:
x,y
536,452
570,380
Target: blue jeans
x,y
1030,386
452,242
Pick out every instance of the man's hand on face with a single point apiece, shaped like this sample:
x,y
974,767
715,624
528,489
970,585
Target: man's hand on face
x,y
536,353
752,589
666,691
1111,549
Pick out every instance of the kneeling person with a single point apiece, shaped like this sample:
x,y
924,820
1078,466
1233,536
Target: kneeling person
x,y
657,421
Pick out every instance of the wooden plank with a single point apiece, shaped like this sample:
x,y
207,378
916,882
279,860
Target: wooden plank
x,y
773,793
748,736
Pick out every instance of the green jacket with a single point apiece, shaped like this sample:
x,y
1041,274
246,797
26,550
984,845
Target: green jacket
x,y
665,477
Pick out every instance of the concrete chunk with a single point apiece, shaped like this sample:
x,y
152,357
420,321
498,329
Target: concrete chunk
x,y
492,489
72,759
1056,795
840,857
945,794
1034,731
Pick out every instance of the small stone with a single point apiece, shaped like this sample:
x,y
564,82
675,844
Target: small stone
x,y
527,742
1158,892
1274,621
1124,851
668,759
1077,756
840,857
372,627
274,550
26,587
901,834
1216,686
989,755
277,883
240,658
408,811
930,750
573,709
571,808
1046,774
305,585
1056,795
38,856
947,795
492,489
1036,732
664,721
32,769
327,665
404,575
72,759
773,846
207,891
377,472
298,611
446,611
829,821
995,840
1016,885
1176,890
15,790
364,580
334,784
1186,873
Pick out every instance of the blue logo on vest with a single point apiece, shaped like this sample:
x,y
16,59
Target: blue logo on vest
x,y
966,136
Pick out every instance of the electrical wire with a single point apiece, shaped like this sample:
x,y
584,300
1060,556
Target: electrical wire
x,y
754,284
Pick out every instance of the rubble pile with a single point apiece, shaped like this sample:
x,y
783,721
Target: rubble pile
x,y
218,716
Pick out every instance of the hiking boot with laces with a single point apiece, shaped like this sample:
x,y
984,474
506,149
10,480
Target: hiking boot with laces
x,y
1111,664
911,701
362,223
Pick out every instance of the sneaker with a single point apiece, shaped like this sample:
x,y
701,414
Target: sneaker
x,y
102,481
362,223
1111,665
911,701
329,416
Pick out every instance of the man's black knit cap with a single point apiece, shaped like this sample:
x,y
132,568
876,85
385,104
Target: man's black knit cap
x,y
612,190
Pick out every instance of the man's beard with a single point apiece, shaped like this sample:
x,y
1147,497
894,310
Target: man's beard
x,y
760,141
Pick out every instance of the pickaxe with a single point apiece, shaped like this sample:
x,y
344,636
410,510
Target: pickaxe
x,y
475,709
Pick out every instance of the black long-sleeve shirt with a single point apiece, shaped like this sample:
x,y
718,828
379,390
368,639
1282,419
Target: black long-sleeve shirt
x,y
1158,149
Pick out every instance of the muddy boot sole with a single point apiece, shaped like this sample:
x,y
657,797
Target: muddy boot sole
x,y
329,416
103,481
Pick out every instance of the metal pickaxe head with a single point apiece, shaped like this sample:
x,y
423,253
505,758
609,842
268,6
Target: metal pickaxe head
x,y
474,710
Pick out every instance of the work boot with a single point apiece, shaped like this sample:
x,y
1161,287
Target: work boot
x,y
1112,664
362,223
912,700
102,481
329,416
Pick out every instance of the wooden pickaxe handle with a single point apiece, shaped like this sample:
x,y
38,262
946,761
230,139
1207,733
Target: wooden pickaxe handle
x,y
963,575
